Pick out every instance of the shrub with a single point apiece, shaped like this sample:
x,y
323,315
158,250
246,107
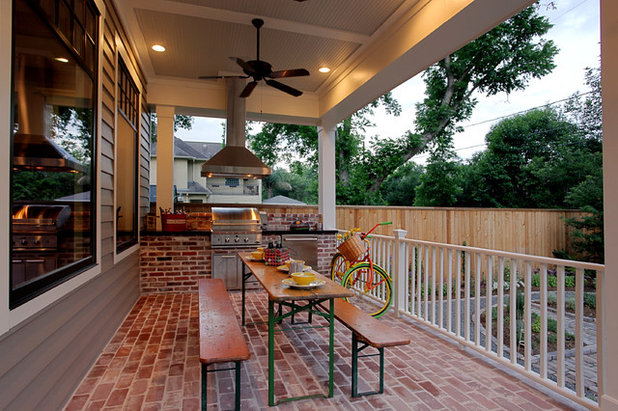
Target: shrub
x,y
569,281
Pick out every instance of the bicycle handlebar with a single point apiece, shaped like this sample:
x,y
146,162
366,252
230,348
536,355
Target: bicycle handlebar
x,y
363,236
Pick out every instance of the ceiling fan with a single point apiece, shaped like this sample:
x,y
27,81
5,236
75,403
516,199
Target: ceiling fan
x,y
262,70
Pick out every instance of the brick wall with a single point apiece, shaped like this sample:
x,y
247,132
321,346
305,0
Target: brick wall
x,y
282,221
173,263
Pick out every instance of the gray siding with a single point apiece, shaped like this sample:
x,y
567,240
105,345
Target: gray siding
x,y
45,358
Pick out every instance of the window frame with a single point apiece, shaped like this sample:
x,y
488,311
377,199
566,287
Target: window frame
x,y
61,275
124,77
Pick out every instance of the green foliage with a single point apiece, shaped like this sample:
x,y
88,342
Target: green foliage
x,y
441,183
399,188
180,121
569,281
43,185
552,281
298,184
590,300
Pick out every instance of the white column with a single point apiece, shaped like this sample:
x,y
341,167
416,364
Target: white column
x,y
326,176
401,272
165,159
609,75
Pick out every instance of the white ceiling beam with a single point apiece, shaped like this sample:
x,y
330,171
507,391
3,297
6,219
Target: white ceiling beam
x,y
192,10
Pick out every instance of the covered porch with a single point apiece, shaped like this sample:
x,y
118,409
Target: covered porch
x,y
54,341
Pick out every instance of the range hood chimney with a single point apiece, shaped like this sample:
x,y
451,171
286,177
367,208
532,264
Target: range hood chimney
x,y
234,159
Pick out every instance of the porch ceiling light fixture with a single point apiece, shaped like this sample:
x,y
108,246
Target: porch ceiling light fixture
x,y
61,59
159,48
324,69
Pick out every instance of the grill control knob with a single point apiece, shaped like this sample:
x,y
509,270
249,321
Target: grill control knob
x,y
227,239
246,239
23,241
236,239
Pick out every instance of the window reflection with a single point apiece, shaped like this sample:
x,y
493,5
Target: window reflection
x,y
53,128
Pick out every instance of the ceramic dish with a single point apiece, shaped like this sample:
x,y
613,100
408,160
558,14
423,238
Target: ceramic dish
x,y
255,259
287,269
291,283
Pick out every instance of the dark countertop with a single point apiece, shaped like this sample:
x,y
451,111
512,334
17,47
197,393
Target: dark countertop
x,y
207,233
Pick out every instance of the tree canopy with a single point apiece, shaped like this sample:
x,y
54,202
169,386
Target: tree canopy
x,y
502,60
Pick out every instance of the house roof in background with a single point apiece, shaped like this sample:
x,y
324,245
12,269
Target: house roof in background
x,y
193,187
197,150
282,200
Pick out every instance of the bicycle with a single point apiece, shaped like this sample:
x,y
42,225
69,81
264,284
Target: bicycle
x,y
353,267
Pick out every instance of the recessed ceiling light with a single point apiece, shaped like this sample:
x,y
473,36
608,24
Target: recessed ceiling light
x,y
159,48
61,59
324,69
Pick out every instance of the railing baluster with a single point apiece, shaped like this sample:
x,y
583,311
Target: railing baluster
x,y
500,319
449,296
513,311
458,296
560,328
419,282
467,298
441,290
477,301
412,279
433,285
426,288
543,317
488,303
579,332
527,317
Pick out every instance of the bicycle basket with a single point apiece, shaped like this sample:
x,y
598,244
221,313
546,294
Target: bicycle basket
x,y
352,248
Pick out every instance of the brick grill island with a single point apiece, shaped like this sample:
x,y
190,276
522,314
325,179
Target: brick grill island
x,y
174,262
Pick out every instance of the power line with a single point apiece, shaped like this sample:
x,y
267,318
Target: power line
x,y
527,110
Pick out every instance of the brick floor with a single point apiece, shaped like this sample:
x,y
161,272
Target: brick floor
x,y
152,363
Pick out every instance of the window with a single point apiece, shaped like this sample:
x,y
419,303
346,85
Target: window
x,y
126,160
52,172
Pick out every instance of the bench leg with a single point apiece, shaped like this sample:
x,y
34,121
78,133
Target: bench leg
x,y
205,384
355,351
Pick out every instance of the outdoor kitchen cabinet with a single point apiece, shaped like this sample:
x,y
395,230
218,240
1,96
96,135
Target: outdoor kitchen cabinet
x,y
227,266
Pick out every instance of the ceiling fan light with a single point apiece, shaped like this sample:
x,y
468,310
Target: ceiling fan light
x,y
324,69
159,48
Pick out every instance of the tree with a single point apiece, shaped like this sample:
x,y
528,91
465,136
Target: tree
x,y
399,188
440,186
502,60
532,160
180,121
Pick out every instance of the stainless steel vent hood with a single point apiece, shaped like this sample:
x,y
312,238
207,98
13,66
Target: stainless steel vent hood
x,y
234,159
37,152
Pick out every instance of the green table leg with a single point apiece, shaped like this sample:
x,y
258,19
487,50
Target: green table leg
x,y
271,353
331,348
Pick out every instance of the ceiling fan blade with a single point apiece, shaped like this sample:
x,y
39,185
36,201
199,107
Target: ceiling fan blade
x,y
284,88
289,73
245,66
248,89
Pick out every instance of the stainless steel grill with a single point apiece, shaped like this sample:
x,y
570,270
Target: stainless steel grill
x,y
234,227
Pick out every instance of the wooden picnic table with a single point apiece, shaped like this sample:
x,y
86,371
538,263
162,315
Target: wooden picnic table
x,y
271,279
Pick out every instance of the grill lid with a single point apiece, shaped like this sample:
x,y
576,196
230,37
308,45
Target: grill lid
x,y
235,219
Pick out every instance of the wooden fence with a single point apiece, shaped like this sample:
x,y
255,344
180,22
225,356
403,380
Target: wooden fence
x,y
524,231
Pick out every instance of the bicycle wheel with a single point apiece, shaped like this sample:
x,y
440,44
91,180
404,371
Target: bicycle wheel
x,y
372,295
338,267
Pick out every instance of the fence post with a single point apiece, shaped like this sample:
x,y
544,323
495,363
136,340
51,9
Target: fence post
x,y
399,279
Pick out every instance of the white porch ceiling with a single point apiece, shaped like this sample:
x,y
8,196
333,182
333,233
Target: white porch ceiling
x,y
371,46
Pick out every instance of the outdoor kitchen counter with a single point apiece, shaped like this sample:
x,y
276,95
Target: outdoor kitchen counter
x,y
174,261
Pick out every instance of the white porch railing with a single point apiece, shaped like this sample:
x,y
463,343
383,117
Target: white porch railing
x,y
473,307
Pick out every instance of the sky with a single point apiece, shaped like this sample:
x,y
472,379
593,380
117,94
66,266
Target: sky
x,y
576,33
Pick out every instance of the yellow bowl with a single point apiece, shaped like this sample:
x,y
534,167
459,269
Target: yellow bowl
x,y
303,278
257,255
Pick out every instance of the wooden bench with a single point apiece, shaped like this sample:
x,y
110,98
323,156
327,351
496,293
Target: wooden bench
x,y
368,331
221,339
